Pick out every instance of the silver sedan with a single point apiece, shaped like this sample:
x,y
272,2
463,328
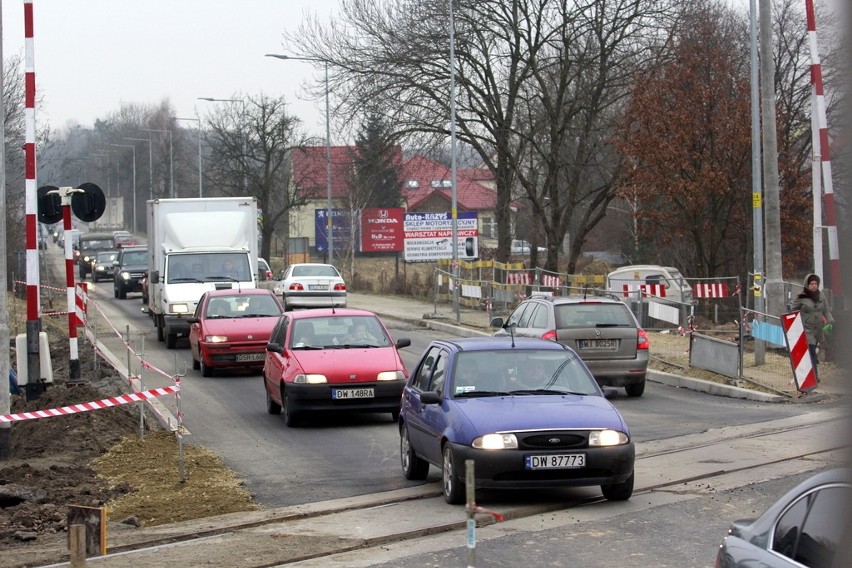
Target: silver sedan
x,y
311,285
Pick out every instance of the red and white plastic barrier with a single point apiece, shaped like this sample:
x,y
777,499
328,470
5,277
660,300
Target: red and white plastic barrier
x,y
87,406
519,278
710,291
654,290
551,281
800,357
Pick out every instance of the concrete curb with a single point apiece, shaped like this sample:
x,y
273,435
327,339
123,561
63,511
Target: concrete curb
x,y
710,387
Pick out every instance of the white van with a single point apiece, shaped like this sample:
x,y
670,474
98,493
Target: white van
x,y
656,281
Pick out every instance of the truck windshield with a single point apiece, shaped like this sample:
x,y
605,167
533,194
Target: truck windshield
x,y
209,267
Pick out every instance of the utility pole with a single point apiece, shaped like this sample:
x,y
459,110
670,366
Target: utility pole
x,y
774,280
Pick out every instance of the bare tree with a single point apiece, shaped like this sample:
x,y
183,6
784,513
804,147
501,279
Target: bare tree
x,y
534,77
250,148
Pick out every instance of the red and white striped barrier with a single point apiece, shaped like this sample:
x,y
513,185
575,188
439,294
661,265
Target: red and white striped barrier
x,y
710,291
655,290
81,302
518,278
551,281
87,406
800,357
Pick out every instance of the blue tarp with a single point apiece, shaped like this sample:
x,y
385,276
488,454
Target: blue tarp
x,y
768,332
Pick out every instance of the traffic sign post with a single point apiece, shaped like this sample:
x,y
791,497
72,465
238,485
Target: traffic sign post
x,y
88,204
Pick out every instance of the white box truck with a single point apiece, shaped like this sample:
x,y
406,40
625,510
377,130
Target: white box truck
x,y
196,245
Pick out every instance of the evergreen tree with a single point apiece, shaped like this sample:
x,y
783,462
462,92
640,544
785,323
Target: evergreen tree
x,y
377,166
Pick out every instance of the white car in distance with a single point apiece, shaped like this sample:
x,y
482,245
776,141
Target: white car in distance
x,y
311,285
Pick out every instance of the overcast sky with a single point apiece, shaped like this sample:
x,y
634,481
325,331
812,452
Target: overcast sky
x,y
93,55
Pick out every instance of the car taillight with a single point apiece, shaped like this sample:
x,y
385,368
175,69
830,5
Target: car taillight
x,y
551,335
268,275
339,287
642,341
296,286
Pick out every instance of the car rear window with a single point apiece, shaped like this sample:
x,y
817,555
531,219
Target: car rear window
x,y
592,315
314,271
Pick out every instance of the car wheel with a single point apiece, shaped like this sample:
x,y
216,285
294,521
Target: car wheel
x,y
636,389
412,466
287,308
114,292
272,407
291,417
618,491
95,278
171,341
195,364
395,415
122,292
160,336
206,370
453,486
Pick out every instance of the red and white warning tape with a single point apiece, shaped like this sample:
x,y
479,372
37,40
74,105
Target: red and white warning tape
x,y
87,406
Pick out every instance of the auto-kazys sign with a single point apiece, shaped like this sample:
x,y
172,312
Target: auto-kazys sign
x,y
429,236
382,229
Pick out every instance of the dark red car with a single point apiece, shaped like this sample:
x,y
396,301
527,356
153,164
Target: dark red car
x,y
230,328
332,359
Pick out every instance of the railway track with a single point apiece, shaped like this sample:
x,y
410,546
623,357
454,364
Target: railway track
x,y
684,467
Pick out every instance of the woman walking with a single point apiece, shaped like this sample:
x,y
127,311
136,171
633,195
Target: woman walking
x,y
816,317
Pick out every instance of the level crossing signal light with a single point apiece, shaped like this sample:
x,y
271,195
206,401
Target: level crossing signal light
x,y
87,203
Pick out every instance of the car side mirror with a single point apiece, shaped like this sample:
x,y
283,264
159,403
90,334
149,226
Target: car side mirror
x,y
497,322
430,397
402,342
154,277
192,320
274,347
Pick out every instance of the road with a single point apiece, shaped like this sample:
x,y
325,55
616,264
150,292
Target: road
x,y
347,455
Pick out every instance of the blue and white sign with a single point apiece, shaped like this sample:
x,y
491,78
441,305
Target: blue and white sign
x,y
429,236
340,223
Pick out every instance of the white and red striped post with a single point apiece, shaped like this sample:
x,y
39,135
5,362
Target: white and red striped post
x,y
824,152
34,386
70,292
800,357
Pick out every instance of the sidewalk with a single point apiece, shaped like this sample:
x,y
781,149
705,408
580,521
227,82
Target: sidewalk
x,y
466,323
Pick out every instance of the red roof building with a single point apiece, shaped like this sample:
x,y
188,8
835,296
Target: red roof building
x,y
426,187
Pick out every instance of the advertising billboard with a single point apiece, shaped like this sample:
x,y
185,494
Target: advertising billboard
x,y
382,229
429,236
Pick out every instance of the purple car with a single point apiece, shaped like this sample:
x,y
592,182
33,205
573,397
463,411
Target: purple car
x,y
527,411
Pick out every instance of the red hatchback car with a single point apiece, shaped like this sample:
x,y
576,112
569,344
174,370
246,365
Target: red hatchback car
x,y
230,328
333,359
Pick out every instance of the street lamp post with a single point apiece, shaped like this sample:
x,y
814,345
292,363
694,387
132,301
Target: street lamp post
x,y
243,135
329,225
171,160
134,179
200,183
150,165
